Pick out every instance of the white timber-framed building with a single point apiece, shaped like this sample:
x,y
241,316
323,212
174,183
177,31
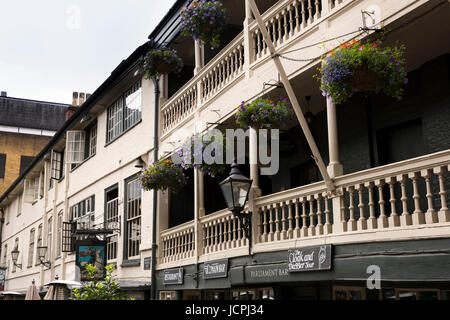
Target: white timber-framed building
x,y
388,159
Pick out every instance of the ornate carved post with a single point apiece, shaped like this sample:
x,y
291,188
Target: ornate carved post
x,y
444,213
431,215
335,167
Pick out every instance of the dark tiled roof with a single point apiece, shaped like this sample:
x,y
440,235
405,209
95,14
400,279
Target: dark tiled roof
x,y
32,114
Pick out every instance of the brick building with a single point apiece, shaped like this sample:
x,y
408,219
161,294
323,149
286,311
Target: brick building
x,y
26,126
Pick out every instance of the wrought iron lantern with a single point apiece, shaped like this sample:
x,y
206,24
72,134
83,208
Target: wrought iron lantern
x,y
42,251
235,189
14,257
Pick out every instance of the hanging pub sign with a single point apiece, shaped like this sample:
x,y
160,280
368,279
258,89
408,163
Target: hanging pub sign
x,y
215,269
174,276
309,259
93,252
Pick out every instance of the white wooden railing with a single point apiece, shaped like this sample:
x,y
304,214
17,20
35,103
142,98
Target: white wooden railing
x,y
295,213
177,243
221,231
286,21
383,198
218,73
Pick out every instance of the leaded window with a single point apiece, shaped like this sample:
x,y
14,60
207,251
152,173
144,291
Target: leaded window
x,y
31,248
125,112
39,241
133,218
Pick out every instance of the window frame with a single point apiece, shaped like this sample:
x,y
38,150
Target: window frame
x,y
120,114
79,212
126,220
112,245
39,241
31,248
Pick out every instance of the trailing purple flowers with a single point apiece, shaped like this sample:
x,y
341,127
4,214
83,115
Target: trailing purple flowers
x,y
264,113
386,66
204,20
155,59
162,175
193,152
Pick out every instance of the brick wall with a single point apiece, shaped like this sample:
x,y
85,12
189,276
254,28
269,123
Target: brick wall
x,y
14,146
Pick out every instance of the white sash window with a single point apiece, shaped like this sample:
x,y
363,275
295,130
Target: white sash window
x,y
75,146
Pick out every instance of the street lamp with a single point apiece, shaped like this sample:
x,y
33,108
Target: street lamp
x,y
235,189
42,251
14,257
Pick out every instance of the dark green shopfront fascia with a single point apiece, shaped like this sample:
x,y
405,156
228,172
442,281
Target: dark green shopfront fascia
x,y
416,269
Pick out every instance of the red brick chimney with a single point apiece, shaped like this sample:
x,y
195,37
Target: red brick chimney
x,y
78,100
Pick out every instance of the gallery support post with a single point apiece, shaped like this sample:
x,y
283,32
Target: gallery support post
x,y
155,193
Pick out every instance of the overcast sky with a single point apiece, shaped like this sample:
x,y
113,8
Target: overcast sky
x,y
50,48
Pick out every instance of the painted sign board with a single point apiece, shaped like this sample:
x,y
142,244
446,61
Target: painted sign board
x,y
174,276
309,259
91,252
215,269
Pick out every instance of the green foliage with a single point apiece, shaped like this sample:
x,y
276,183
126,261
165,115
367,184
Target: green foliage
x,y
156,56
107,289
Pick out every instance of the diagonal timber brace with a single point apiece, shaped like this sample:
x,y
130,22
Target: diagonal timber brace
x,y
293,98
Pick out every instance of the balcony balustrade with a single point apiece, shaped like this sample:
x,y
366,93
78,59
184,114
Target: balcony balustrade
x,y
378,204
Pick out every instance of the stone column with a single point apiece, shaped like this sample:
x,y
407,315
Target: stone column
x,y
199,56
248,46
335,167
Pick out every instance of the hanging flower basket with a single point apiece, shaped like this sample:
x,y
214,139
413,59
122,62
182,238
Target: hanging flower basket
x,y
264,113
162,61
363,79
204,20
162,175
366,67
196,149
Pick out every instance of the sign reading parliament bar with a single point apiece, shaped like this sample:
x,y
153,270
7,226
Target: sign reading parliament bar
x,y
310,259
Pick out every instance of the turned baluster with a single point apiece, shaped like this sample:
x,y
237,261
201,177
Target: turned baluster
x,y
405,218
418,216
310,7
277,222
431,214
444,213
297,220
317,15
312,225
304,227
319,227
271,233
290,219
328,228
283,220
382,219
394,219
285,16
372,222
297,15
264,233
291,21
303,14
351,208
362,222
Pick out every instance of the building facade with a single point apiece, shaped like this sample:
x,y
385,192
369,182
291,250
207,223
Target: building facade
x,y
382,232
26,126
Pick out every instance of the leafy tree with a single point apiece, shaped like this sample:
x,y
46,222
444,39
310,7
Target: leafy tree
x,y
95,289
